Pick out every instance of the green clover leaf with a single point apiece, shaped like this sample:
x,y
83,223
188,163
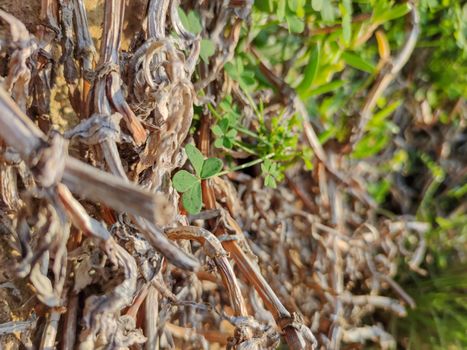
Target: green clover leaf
x,y
207,49
196,158
225,137
189,184
211,167
183,181
192,199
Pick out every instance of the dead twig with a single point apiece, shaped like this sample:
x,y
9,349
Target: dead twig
x,y
107,93
214,250
86,53
151,308
23,135
19,74
17,326
19,132
387,75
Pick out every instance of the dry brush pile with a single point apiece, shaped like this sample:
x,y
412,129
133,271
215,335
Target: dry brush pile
x,y
98,251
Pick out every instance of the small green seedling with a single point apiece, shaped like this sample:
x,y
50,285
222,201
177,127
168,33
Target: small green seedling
x,y
189,184
271,172
245,77
228,122
225,135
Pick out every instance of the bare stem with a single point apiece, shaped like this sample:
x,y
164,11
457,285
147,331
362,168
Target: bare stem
x,y
214,250
387,75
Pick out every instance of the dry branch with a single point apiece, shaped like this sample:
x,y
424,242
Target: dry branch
x,y
214,250
19,132
23,135
388,74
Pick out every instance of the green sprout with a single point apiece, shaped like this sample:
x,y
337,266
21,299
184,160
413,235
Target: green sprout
x,y
190,184
224,132
270,171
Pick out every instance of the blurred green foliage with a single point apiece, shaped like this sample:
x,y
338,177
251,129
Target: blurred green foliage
x,y
330,52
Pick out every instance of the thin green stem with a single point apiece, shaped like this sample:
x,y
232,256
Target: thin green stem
x,y
245,148
252,134
213,110
248,97
246,132
245,165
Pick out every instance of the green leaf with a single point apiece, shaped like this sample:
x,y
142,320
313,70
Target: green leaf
x,y
379,190
192,199
232,118
379,118
310,70
216,129
299,8
458,191
227,143
183,18
274,170
191,21
357,62
219,143
224,125
270,182
326,135
196,158
239,65
317,5
207,49
211,167
295,24
370,145
195,23
393,13
266,166
307,156
231,70
292,5
226,105
248,78
264,5
328,87
327,11
346,10
231,133
183,181
280,13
